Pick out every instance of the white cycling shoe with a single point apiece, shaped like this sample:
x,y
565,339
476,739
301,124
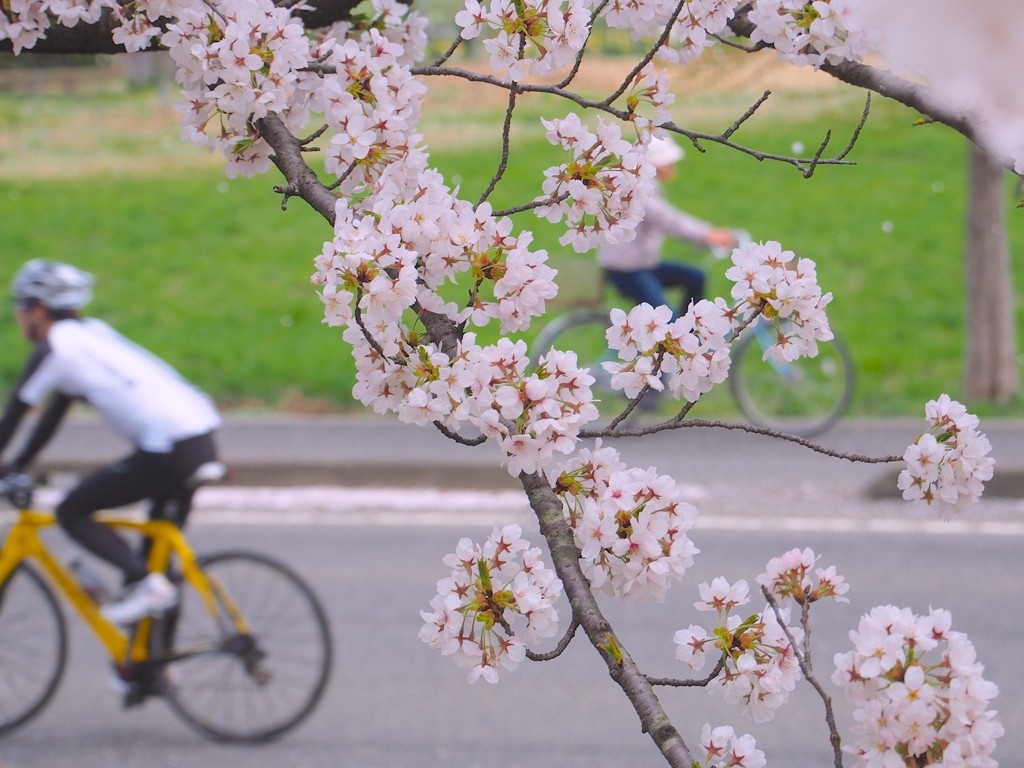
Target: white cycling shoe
x,y
150,597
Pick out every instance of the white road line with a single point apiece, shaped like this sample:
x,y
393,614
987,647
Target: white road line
x,y
446,518
431,507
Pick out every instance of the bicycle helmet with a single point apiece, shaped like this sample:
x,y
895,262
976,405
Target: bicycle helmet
x,y
664,151
53,284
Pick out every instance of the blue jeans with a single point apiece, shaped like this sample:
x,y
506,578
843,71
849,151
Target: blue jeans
x,y
648,285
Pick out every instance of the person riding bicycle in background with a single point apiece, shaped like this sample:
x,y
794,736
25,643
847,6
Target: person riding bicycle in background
x,y
635,268
169,422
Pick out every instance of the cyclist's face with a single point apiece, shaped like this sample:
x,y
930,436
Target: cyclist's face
x,y
33,322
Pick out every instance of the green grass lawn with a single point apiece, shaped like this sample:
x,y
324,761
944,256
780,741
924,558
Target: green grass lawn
x,y
213,276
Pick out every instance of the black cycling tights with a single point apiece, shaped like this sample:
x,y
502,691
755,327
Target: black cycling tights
x,y
159,477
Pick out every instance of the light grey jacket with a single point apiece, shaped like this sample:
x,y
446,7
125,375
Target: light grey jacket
x,y
661,220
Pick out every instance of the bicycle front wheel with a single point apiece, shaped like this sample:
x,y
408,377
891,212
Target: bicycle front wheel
x,y
33,647
254,685
804,397
582,333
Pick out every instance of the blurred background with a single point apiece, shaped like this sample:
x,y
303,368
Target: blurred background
x,y
212,275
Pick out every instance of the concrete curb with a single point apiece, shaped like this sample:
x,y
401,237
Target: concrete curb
x,y
363,451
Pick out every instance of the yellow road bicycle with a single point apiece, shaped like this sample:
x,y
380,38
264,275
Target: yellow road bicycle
x,y
245,655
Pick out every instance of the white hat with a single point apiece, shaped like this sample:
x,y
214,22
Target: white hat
x,y
665,152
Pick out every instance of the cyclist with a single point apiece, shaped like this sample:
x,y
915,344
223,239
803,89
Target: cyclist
x,y
169,422
635,268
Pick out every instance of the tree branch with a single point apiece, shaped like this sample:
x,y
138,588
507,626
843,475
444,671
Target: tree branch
x,y
804,660
303,182
98,38
559,649
289,160
471,441
506,133
695,137
701,683
621,667
885,83
674,424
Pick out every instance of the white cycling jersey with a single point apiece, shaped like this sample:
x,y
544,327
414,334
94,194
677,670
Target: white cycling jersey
x,y
137,394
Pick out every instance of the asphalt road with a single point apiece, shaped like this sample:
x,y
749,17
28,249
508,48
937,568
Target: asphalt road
x,y
394,703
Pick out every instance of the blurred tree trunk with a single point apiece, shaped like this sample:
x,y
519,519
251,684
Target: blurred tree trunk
x,y
991,355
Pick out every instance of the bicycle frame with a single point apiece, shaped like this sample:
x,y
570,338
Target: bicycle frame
x,y
23,542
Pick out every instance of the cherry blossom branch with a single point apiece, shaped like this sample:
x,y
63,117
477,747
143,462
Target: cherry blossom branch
x,y
649,56
583,48
506,132
448,54
804,660
695,137
531,206
559,649
758,46
746,115
471,441
701,683
885,83
304,183
621,667
357,315
676,423
632,404
858,129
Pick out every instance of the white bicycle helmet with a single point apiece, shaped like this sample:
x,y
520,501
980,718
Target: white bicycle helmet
x,y
53,284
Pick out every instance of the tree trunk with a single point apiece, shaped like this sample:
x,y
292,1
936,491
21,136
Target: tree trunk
x,y
991,348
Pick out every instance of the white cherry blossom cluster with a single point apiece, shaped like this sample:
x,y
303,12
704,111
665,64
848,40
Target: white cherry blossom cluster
x,y
26,22
789,576
948,465
371,102
530,416
912,710
492,588
785,289
391,19
630,524
760,666
649,89
692,31
811,33
535,36
690,352
390,260
722,748
534,416
237,63
602,188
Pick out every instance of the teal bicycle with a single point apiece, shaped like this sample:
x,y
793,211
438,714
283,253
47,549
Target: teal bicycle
x,y
805,397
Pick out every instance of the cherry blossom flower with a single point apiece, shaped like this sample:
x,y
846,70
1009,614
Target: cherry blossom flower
x,y
724,749
789,576
535,36
631,523
948,465
811,33
787,294
601,189
913,709
760,666
491,587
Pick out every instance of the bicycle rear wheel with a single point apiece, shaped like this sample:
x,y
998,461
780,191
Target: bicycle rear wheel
x,y
33,647
254,686
583,333
804,397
